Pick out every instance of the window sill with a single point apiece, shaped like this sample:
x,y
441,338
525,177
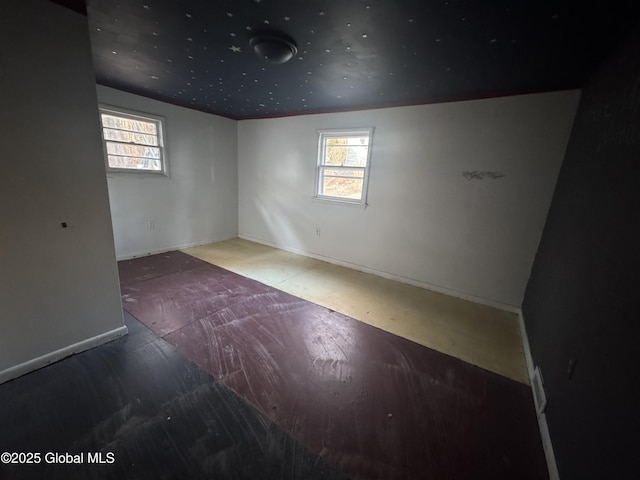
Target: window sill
x,y
136,174
337,201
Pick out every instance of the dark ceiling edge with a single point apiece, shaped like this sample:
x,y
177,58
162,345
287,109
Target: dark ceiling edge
x,y
175,104
463,98
78,6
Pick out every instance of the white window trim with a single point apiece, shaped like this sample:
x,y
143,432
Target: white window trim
x,y
338,132
162,140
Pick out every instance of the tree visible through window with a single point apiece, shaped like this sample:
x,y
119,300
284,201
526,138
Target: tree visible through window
x,y
132,143
343,164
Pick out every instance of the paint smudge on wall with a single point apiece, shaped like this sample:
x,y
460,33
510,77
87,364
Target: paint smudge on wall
x,y
481,175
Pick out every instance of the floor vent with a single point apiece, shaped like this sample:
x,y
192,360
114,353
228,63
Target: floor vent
x,y
539,397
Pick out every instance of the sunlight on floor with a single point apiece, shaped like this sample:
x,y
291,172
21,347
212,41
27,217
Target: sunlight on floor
x,y
484,336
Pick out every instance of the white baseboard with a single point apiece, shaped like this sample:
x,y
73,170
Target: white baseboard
x,y
44,360
525,344
180,246
549,454
391,276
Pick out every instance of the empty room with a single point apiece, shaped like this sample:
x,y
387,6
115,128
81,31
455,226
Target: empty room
x,y
264,239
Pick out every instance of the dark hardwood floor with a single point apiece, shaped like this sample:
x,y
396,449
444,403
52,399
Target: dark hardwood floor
x,y
159,414
376,405
235,379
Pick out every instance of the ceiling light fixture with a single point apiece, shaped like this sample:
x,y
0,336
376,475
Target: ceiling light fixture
x,y
273,47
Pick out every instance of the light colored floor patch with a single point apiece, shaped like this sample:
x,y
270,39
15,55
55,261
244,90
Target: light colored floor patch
x,y
484,336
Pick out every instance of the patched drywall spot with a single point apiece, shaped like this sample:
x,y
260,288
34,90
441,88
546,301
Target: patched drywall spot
x,y
481,175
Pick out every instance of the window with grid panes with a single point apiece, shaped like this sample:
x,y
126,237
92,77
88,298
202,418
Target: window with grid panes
x,y
343,165
132,142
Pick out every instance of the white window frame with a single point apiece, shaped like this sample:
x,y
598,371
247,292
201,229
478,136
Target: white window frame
x,y
321,165
160,123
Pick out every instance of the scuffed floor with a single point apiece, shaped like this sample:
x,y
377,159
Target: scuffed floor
x,y
150,413
481,335
372,404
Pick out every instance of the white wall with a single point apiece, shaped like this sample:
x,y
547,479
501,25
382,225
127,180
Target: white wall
x,y
425,222
197,203
59,289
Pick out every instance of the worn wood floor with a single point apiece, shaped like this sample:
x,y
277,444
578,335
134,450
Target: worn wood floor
x,y
374,404
484,336
158,414
230,378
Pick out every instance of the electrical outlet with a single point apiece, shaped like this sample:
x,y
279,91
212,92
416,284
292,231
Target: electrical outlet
x,y
151,225
317,231
539,397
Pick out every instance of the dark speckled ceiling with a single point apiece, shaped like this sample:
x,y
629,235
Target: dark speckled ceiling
x,y
351,54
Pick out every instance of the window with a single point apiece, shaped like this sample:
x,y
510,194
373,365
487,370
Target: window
x,y
343,165
132,142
